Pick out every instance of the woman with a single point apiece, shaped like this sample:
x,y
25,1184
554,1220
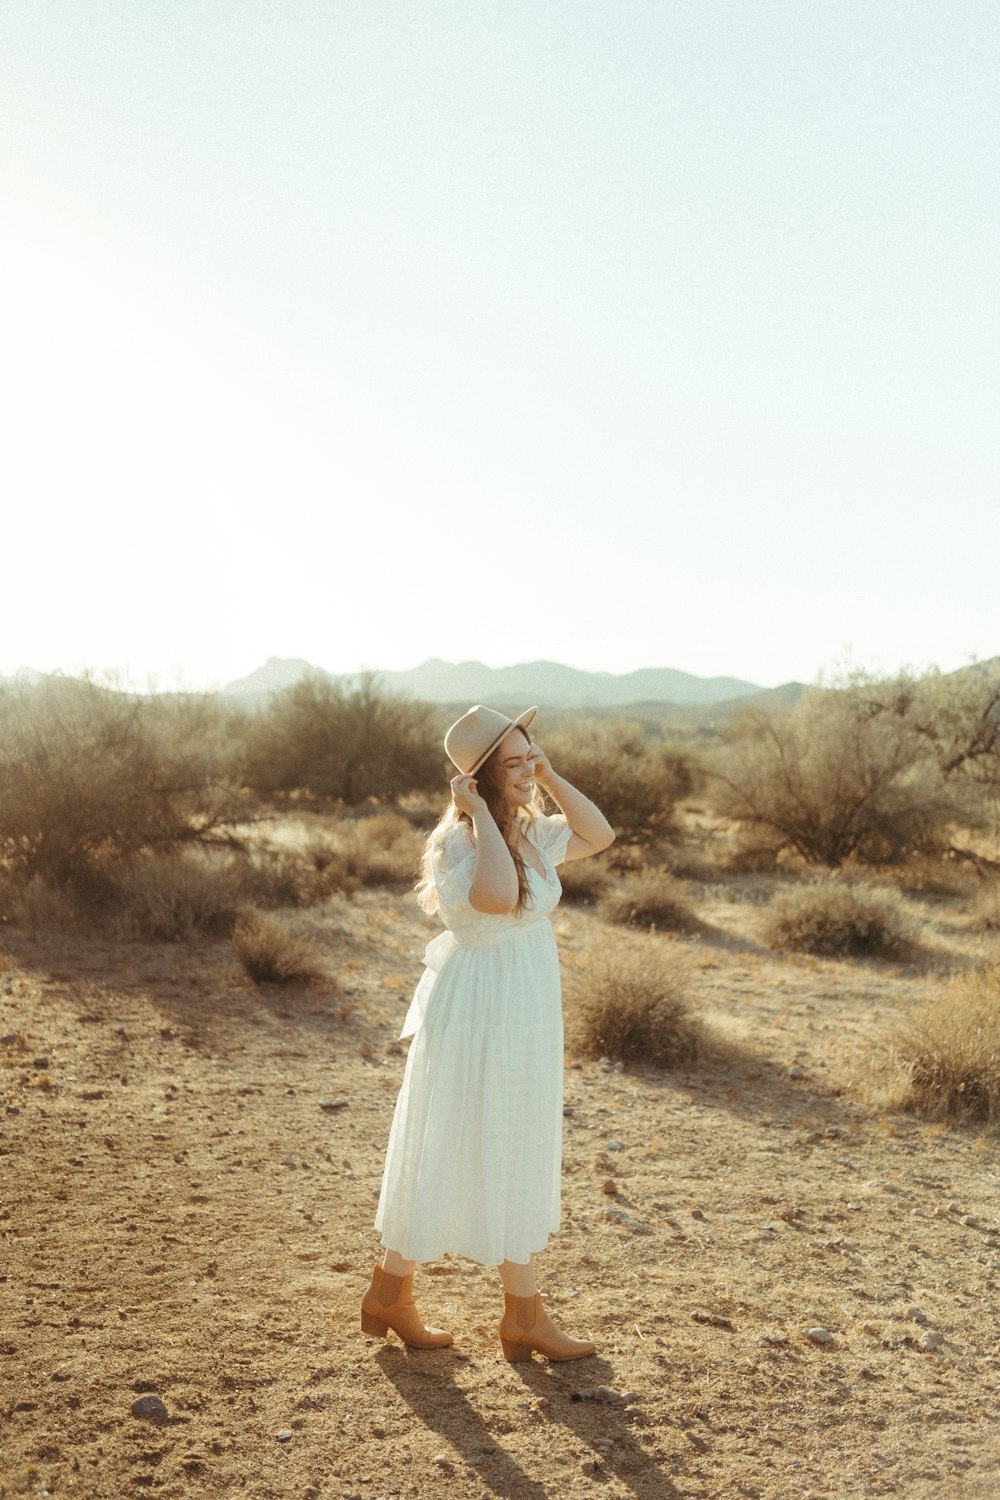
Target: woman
x,y
475,1148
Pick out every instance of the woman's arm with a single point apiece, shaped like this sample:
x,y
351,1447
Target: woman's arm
x,y
591,830
494,879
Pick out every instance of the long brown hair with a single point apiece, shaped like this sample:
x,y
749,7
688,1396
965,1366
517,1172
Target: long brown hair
x,y
490,786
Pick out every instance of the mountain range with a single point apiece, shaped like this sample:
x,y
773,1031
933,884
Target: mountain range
x,y
547,683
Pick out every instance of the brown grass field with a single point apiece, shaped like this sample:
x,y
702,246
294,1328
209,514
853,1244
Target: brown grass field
x,y
190,1168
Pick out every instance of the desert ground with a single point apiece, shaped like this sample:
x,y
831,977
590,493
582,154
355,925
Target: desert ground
x,y
792,1285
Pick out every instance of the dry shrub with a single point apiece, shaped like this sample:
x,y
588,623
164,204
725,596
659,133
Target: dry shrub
x,y
583,880
631,1005
91,777
837,917
272,952
635,779
653,898
951,1047
172,898
383,848
986,911
344,743
285,877
752,854
36,905
927,876
841,777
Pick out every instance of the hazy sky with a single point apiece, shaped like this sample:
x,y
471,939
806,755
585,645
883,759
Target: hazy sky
x,y
622,334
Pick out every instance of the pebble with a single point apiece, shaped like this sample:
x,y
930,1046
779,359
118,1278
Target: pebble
x,y
619,1216
284,1435
818,1335
329,1106
151,1408
610,1187
613,1146
590,1467
442,1461
917,1315
795,1072
932,1339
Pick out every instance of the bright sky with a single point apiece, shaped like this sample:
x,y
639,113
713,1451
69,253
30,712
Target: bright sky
x,y
618,332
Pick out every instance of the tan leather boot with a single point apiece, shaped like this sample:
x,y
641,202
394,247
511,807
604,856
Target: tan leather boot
x,y
388,1303
526,1326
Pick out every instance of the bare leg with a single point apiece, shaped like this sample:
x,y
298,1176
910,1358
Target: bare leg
x,y
518,1279
395,1265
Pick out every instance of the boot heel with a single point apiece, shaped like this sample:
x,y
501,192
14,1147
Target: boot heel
x,y
513,1351
377,1327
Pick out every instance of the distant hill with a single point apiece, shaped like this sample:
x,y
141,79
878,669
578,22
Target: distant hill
x,y
544,682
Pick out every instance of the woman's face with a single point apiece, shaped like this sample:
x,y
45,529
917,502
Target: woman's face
x,y
515,768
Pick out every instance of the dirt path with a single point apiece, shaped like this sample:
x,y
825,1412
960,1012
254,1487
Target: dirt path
x,y
189,1176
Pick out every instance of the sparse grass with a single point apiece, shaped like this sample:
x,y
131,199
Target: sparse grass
x,y
837,917
951,1048
631,1005
272,952
653,899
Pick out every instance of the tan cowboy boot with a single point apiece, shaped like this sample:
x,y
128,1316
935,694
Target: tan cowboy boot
x,y
526,1326
388,1303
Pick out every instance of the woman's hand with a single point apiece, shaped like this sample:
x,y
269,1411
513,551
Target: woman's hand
x,y
465,796
543,768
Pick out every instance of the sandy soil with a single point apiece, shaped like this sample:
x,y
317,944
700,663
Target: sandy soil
x,y
190,1168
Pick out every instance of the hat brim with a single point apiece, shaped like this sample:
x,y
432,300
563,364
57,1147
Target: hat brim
x,y
521,722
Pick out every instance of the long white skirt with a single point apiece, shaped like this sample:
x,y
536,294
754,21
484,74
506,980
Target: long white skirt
x,y
475,1150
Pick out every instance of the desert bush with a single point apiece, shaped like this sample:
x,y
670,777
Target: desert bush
x,y
836,779
957,714
928,875
837,917
583,880
290,877
90,777
380,849
631,1005
652,898
171,898
986,910
36,905
636,780
272,952
951,1049
345,744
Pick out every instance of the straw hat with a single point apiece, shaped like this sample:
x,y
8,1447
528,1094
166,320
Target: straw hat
x,y
473,738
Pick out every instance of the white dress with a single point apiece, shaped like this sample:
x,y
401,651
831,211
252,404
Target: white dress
x,y
475,1150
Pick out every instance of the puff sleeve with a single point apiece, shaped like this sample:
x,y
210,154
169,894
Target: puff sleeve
x,y
454,865
552,834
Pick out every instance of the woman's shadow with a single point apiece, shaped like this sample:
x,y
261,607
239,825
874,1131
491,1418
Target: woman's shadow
x,y
441,1405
